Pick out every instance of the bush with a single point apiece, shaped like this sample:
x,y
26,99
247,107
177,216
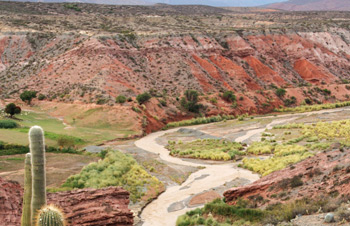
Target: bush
x,y
8,124
41,97
308,101
136,109
101,101
229,96
280,92
65,142
296,182
144,97
120,99
163,102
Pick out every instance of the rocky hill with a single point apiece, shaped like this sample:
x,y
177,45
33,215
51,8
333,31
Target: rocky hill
x,y
312,5
91,54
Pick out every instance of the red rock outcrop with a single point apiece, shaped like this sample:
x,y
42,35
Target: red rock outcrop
x,y
108,206
324,174
10,203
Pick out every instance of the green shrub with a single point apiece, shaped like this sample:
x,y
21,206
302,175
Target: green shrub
x,y
229,96
120,99
101,101
308,101
163,102
144,97
72,6
65,141
136,109
296,182
280,92
41,97
8,124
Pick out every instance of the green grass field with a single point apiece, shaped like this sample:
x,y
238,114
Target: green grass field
x,y
81,132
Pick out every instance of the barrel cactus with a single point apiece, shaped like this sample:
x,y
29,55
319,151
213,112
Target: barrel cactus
x,y
50,216
27,197
37,150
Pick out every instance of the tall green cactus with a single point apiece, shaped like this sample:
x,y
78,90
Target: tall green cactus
x,y
27,197
37,149
50,216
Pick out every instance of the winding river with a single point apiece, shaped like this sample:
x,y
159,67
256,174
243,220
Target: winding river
x,y
157,214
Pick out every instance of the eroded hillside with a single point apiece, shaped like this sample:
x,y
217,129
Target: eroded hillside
x,y
84,54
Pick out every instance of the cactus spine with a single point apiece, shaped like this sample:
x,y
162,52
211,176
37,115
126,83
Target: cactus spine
x,y
27,197
37,150
50,216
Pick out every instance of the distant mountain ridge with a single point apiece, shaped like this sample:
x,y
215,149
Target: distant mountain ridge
x,y
312,5
237,3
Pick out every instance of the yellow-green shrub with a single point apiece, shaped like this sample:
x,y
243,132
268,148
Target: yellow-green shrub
x,y
259,148
284,150
116,169
212,149
267,166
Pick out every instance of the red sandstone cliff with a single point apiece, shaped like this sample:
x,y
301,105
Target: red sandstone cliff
x,y
86,207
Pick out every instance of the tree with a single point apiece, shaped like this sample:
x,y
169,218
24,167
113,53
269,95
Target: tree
x,y
229,96
27,96
12,109
280,92
190,100
142,98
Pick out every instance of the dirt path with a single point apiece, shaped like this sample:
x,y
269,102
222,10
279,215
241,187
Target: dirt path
x,y
161,212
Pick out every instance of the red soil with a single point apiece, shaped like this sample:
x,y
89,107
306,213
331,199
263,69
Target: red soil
x,y
313,74
264,72
235,71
